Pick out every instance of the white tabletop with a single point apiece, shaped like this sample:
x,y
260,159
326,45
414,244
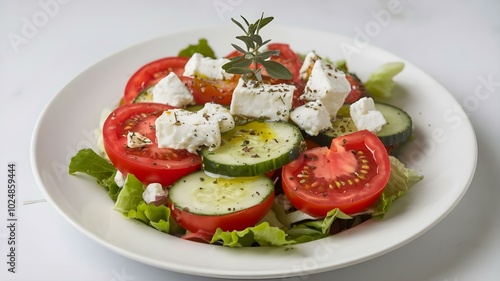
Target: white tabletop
x,y
46,43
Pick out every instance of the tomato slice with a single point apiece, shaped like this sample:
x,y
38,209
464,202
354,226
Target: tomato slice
x,y
357,88
149,164
350,175
207,225
219,91
288,58
150,74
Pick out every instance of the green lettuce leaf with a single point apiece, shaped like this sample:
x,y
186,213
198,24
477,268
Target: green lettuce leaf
x,y
158,217
202,47
380,83
316,229
130,195
262,234
400,180
342,65
88,162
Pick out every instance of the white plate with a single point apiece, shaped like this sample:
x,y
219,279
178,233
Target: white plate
x,y
69,120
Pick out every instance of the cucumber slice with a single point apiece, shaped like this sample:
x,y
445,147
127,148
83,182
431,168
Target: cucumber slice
x,y
399,125
254,148
145,96
397,130
201,194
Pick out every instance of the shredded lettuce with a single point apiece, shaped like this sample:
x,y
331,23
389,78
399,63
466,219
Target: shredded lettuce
x,y
262,234
400,180
380,83
88,162
316,229
202,47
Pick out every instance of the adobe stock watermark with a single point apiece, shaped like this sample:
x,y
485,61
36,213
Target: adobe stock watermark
x,y
454,117
32,25
371,29
89,141
121,276
322,252
222,7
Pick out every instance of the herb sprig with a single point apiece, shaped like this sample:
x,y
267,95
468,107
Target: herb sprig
x,y
250,62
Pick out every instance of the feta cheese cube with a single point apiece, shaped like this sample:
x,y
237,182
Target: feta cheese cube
x,y
170,90
307,65
328,85
205,67
217,113
262,100
136,140
182,129
311,117
153,192
365,116
119,179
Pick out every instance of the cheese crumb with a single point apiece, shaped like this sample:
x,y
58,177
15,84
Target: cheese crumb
x,y
365,116
328,84
170,90
153,192
307,65
182,129
259,100
206,68
136,140
311,117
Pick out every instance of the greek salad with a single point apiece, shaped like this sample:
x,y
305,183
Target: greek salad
x,y
261,147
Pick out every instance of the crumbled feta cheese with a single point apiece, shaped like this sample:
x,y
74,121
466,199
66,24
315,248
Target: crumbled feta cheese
x,y
170,90
311,117
182,129
262,100
136,140
153,192
365,116
120,179
205,67
283,201
219,114
328,85
307,65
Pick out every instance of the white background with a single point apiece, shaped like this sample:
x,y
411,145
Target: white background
x,y
44,44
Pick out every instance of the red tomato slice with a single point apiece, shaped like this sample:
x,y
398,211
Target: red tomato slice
x,y
199,237
350,175
219,91
149,164
150,74
207,225
233,54
357,89
288,58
